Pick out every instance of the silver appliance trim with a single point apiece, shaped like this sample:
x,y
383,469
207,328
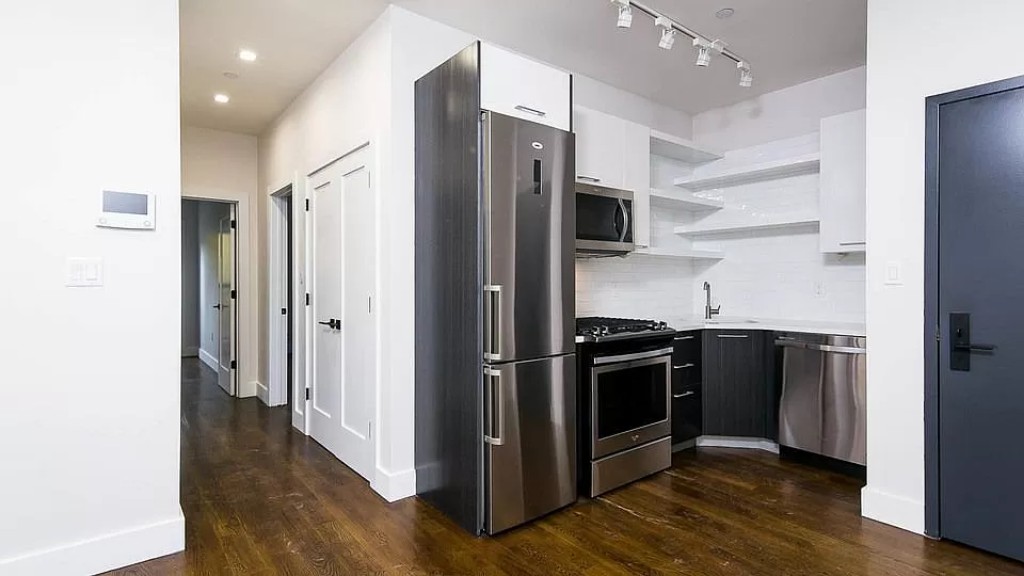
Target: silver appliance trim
x,y
600,447
601,247
627,466
601,360
791,343
604,191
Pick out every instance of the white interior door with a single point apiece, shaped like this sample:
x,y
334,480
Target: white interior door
x,y
227,314
344,330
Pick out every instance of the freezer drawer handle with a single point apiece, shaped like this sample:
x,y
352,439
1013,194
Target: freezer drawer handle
x,y
820,347
495,424
599,360
492,315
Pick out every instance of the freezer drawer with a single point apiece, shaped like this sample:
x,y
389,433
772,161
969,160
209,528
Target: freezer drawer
x,y
529,440
823,404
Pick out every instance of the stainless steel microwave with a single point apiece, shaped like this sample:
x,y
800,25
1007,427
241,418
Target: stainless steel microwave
x,y
604,220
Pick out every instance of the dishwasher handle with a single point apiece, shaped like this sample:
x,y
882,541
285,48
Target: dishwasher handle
x,y
788,343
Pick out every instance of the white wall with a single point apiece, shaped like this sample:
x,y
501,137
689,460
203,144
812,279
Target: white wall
x,y
779,273
217,165
189,278
91,415
915,50
208,240
786,113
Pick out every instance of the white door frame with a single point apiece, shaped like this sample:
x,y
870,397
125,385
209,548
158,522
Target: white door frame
x,y
278,299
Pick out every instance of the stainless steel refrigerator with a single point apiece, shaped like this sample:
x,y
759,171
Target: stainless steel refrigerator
x,y
495,307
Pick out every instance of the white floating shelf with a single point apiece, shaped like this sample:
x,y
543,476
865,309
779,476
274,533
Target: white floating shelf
x,y
677,148
699,230
680,199
806,164
682,253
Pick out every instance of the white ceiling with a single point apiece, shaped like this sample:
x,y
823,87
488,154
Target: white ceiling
x,y
294,39
786,42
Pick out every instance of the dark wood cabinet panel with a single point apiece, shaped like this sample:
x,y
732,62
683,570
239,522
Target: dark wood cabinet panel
x,y
687,415
686,361
735,383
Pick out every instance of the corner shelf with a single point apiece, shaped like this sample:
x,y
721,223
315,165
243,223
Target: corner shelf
x,y
684,201
669,146
790,222
806,164
681,253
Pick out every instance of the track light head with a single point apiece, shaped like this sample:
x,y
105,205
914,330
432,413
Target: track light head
x,y
625,13
668,33
746,78
703,52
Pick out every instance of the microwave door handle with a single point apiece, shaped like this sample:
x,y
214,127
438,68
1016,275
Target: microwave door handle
x,y
625,220
620,207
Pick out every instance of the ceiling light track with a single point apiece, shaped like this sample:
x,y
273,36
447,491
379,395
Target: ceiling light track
x,y
669,29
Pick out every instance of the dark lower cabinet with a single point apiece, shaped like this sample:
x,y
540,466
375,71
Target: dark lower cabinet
x,y
735,383
687,375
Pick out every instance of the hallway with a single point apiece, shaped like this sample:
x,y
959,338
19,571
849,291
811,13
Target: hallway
x,y
260,499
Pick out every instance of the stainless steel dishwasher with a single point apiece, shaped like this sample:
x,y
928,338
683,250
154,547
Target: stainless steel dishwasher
x,y
824,393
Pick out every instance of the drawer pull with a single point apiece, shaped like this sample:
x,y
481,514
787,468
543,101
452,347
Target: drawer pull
x,y
687,365
678,338
733,336
684,394
529,110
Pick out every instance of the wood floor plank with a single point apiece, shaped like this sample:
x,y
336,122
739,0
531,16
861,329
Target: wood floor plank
x,y
261,499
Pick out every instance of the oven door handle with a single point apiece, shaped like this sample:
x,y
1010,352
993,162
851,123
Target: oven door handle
x,y
600,360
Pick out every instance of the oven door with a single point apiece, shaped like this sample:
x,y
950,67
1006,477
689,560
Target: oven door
x,y
630,399
604,220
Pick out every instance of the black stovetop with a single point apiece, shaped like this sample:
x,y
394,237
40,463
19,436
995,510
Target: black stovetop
x,y
596,329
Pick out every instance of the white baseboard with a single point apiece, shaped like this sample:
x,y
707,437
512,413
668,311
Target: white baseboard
x,y
103,553
209,359
394,486
262,392
189,351
898,511
731,442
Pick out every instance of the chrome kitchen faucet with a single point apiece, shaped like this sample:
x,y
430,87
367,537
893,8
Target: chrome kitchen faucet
x,y
710,312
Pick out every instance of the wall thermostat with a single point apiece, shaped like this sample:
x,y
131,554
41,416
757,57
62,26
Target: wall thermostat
x,y
132,210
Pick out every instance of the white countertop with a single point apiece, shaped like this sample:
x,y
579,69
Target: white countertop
x,y
774,324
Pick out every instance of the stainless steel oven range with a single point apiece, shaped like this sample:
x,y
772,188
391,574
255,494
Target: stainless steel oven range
x,y
625,416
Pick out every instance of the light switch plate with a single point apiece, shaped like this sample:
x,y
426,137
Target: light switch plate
x,y
84,272
893,274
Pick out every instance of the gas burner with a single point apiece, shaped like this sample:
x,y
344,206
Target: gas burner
x,y
598,329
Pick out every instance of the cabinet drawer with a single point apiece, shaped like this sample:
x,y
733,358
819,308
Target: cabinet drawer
x,y
685,378
517,86
686,349
687,416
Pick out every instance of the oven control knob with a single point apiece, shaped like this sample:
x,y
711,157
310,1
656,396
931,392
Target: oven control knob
x,y
662,325
604,331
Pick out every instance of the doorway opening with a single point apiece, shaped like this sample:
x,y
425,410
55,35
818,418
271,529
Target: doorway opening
x,y
209,288
287,300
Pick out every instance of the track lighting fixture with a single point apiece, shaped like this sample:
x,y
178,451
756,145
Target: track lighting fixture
x,y
668,33
746,78
671,28
625,13
703,52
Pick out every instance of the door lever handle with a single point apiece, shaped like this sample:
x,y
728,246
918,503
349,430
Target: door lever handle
x,y
334,324
974,347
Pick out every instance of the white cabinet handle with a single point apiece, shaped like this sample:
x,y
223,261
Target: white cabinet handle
x,y
529,110
589,179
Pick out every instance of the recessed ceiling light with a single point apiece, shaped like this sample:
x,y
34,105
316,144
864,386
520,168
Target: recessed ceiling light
x,y
221,98
725,13
231,75
246,55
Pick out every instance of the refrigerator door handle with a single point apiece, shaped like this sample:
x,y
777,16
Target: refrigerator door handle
x,y
492,318
495,409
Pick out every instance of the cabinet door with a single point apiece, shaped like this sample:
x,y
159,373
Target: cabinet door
x,y
843,182
599,158
636,154
735,388
517,86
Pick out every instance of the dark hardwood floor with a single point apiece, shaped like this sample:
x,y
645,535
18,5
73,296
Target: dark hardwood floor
x,y
260,499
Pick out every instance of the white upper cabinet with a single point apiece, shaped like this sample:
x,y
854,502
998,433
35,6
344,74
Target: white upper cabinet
x,y
636,154
517,86
599,148
843,182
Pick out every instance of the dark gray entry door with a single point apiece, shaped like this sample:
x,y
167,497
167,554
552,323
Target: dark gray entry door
x,y
981,319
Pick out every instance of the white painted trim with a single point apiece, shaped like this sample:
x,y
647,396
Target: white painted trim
x,y
898,511
209,359
277,283
103,553
262,392
190,352
733,442
393,486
